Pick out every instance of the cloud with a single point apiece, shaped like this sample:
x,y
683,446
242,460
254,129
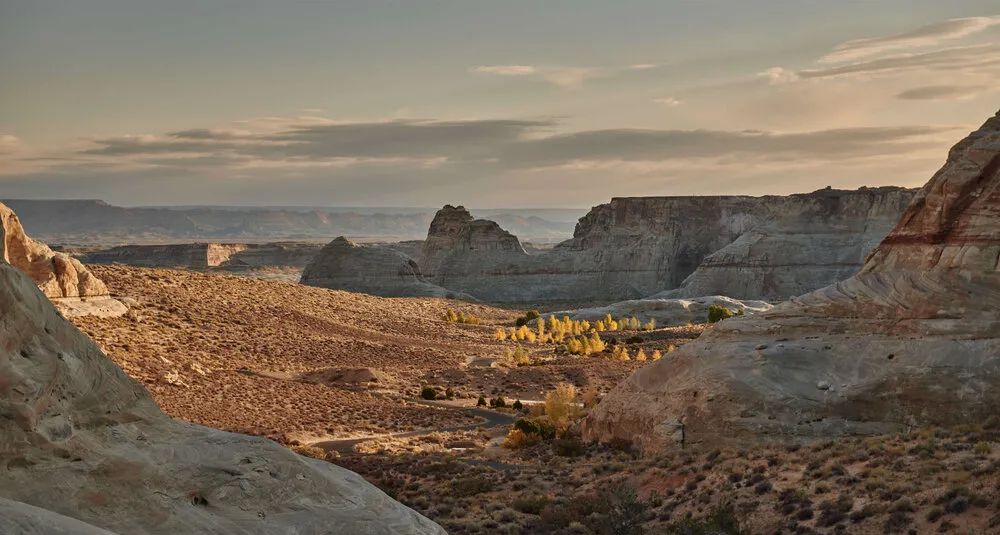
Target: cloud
x,y
505,70
667,101
942,92
9,144
929,35
564,77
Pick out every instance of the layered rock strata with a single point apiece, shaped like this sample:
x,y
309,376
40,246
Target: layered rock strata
x,y
377,270
912,339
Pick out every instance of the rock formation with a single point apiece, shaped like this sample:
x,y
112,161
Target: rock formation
x,y
912,339
801,244
61,277
376,270
667,312
226,256
745,247
82,443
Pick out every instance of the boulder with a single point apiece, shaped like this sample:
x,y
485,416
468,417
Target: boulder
x,y
371,269
62,278
912,339
84,444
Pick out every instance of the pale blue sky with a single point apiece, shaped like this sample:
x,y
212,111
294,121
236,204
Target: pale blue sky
x,y
554,103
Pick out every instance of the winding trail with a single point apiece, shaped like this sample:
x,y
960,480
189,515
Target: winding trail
x,y
492,419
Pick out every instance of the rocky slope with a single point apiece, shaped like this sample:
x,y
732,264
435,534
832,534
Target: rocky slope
x,y
746,247
375,270
666,312
912,339
82,440
61,277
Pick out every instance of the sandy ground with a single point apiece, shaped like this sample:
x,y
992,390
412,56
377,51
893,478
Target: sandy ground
x,y
230,352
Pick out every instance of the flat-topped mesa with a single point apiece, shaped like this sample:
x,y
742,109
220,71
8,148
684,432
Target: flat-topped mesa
x,y
227,256
912,339
377,270
62,278
770,247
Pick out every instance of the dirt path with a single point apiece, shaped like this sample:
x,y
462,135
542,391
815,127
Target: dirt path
x,y
492,419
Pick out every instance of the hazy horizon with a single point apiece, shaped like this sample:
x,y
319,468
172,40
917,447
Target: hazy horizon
x,y
558,105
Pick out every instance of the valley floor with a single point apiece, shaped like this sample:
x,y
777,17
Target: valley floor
x,y
311,367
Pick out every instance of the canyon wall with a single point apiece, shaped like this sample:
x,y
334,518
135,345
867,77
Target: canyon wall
x,y
912,339
231,256
770,247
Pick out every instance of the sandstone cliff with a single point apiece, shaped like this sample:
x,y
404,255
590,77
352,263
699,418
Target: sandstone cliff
x,y
82,443
747,247
61,277
376,270
912,339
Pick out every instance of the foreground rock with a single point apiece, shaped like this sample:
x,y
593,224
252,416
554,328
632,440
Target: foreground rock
x,y
667,312
913,339
62,278
375,270
82,440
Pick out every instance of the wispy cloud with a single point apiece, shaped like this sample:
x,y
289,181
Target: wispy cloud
x,y
667,101
944,92
929,35
565,77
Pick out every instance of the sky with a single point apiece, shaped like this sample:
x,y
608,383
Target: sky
x,y
490,104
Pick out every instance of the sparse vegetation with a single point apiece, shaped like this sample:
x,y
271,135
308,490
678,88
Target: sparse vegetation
x,y
717,313
462,317
428,392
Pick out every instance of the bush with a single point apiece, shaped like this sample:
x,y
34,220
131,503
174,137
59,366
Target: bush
x,y
560,406
517,439
498,402
517,405
721,520
481,402
449,393
428,392
717,313
625,511
470,486
568,447
531,504
534,426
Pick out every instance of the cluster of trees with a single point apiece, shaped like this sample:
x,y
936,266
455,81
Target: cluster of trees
x,y
561,410
553,330
585,345
462,317
516,357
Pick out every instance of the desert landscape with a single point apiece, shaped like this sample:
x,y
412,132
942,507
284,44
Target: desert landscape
x,y
394,314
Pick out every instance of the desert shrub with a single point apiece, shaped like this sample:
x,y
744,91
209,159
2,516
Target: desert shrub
x,y
721,520
527,317
624,512
640,355
531,504
517,439
560,406
568,447
649,325
498,402
470,486
428,392
517,405
717,313
620,352
500,334
518,356
536,426
449,393
481,402
982,448
655,355
462,317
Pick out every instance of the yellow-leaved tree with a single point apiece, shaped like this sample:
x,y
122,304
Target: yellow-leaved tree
x,y
560,406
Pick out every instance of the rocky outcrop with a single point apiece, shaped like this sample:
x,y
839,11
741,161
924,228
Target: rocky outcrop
x,y
667,312
225,256
746,247
60,277
82,443
376,270
802,243
912,339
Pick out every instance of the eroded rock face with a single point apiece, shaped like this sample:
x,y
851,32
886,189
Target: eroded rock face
x,y
376,270
60,277
745,247
82,440
912,339
227,256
